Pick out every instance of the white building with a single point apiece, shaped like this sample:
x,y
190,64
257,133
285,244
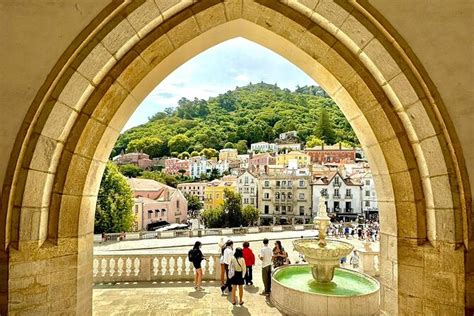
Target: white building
x,y
247,186
343,196
199,165
288,147
194,188
244,161
369,196
263,147
288,135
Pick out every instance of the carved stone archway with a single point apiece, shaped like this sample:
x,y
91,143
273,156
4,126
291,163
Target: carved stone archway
x,y
51,188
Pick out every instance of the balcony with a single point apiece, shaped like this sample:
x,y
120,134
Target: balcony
x,y
348,196
336,196
336,184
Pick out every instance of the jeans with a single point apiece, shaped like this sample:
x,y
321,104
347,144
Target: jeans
x,y
227,284
248,275
267,278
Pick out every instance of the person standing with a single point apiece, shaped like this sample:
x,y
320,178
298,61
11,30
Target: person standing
x,y
227,257
266,257
249,262
355,260
222,245
195,256
238,265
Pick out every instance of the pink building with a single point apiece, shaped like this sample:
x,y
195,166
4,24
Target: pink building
x,y
155,202
259,163
138,159
174,165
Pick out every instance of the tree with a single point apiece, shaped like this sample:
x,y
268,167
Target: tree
x,y
213,218
184,155
314,141
194,154
241,146
114,212
130,171
161,177
209,153
324,129
152,146
250,214
229,145
179,143
232,208
194,204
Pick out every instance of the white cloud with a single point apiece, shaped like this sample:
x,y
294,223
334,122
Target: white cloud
x,y
242,78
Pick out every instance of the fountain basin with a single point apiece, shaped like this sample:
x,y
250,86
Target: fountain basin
x,y
295,292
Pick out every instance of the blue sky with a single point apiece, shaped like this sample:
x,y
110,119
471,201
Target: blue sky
x,y
233,63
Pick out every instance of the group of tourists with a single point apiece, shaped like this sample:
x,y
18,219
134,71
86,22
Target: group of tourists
x,y
237,266
367,231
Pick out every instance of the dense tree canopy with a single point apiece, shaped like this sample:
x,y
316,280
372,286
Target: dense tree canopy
x,y
256,112
114,203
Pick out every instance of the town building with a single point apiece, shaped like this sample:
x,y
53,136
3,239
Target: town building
x,y
285,198
247,186
291,135
138,159
298,158
156,202
259,163
228,154
214,191
286,147
199,166
343,195
193,188
263,147
175,166
331,154
369,205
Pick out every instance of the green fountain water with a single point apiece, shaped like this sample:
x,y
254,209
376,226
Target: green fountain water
x,y
345,283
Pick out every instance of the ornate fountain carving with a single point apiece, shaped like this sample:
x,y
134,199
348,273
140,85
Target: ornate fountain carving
x,y
325,255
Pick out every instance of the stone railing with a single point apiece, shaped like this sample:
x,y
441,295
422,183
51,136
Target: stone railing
x,y
151,267
203,232
369,260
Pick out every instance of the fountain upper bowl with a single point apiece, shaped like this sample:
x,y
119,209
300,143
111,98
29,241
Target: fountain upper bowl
x,y
334,249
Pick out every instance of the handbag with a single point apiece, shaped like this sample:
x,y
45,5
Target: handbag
x,y
231,272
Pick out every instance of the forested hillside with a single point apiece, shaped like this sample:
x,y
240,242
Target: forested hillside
x,y
237,118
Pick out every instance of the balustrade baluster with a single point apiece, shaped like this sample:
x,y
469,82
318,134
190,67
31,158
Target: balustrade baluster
x,y
128,266
120,267
103,266
95,267
111,267
136,266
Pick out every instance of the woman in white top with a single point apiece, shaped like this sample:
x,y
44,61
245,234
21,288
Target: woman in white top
x,y
238,265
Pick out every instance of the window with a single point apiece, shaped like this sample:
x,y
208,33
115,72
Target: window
x,y
217,195
149,213
283,209
277,196
348,192
246,201
301,210
246,190
289,195
136,209
278,183
277,208
301,196
290,184
246,180
367,203
282,196
367,182
252,190
240,190
266,195
266,209
336,192
177,204
324,192
367,193
283,183
267,183
301,183
289,209
336,180
252,200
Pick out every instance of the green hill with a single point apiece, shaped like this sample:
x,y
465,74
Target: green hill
x,y
237,118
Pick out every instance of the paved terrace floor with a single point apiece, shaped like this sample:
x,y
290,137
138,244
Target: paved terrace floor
x,y
181,298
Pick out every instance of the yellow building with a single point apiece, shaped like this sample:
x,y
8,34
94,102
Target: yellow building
x,y
298,157
228,154
214,192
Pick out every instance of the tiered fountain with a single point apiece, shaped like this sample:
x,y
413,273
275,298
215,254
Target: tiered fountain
x,y
321,287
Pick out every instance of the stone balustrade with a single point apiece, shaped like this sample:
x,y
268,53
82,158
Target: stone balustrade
x,y
151,267
203,232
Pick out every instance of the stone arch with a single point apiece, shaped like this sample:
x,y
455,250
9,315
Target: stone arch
x,y
61,152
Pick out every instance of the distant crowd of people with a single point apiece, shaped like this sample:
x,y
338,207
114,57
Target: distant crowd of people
x,y
367,231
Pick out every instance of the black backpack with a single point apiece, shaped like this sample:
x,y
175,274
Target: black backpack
x,y
191,255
